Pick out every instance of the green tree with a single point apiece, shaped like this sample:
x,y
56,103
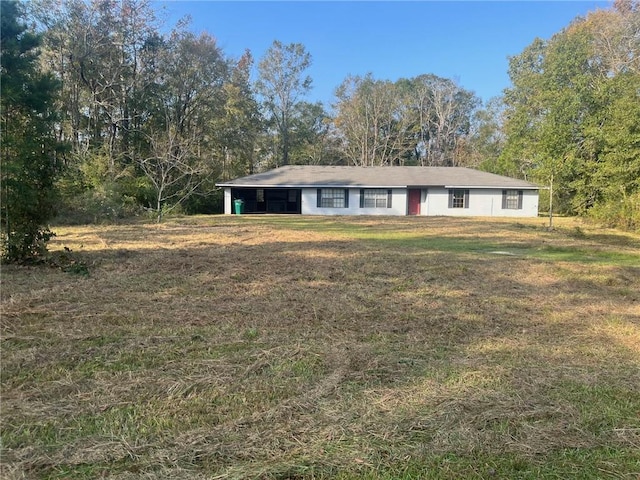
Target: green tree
x,y
139,107
486,139
29,148
617,172
101,52
238,128
314,139
191,73
547,108
571,115
282,83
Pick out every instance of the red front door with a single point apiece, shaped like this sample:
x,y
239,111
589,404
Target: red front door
x,y
414,201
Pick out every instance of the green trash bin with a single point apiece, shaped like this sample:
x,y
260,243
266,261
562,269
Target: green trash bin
x,y
239,206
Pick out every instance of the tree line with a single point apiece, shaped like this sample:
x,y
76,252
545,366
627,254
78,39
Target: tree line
x,y
106,113
571,118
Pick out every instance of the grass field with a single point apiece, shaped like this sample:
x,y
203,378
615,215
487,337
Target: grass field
x,y
315,348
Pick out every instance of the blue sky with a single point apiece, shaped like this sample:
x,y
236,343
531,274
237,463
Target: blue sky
x,y
466,41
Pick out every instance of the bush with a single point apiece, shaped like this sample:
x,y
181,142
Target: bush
x,y
620,213
205,204
106,204
26,244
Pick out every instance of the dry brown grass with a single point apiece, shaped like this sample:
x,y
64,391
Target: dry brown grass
x,y
290,347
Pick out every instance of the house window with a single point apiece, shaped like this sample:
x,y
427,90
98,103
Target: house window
x,y
458,198
375,198
260,195
512,199
333,198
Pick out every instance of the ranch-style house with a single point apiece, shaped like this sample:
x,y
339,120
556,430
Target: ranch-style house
x,y
337,190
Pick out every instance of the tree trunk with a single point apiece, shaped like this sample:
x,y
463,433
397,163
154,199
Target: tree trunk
x,y
551,203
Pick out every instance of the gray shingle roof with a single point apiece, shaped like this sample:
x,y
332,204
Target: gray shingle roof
x,y
382,177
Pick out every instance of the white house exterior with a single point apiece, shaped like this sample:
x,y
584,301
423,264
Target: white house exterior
x,y
428,191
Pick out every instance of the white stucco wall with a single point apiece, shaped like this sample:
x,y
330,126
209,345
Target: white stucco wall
x,y
482,203
310,204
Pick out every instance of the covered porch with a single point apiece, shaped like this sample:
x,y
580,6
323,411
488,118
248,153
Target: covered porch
x,y
264,200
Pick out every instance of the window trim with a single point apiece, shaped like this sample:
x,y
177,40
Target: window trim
x,y
319,197
363,192
506,200
465,197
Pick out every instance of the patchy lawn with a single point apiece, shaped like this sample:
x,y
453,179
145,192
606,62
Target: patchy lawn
x,y
300,347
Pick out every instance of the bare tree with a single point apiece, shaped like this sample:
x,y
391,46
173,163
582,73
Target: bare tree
x,y
375,121
444,114
94,49
173,169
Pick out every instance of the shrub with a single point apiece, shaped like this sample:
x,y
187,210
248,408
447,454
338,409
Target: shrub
x,y
106,204
619,213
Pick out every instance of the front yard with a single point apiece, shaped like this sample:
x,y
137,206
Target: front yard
x,y
325,347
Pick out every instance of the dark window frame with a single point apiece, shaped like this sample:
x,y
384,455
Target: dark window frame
x,y
512,199
458,198
329,195
387,201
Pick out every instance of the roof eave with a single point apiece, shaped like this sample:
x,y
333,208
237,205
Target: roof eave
x,y
307,185
502,187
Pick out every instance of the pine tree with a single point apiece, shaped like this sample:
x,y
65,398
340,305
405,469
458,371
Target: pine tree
x,y
28,145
